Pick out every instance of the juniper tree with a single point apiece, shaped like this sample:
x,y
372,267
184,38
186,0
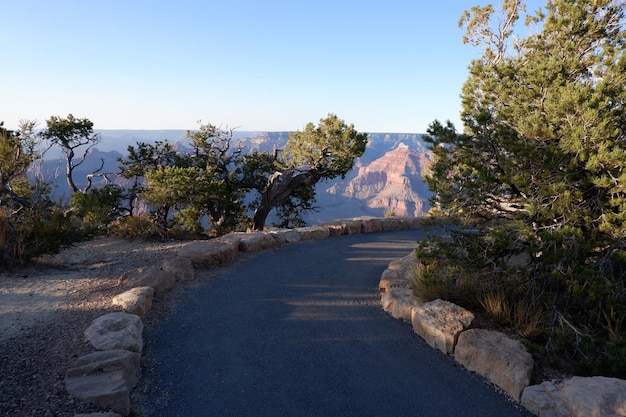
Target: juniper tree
x,y
539,172
319,152
70,134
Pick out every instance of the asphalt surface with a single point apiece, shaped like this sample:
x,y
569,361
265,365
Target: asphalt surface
x,y
299,331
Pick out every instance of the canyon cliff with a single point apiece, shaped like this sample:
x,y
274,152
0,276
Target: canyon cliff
x,y
386,179
392,183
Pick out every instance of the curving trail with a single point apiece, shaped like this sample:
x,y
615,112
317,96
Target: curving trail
x,y
299,331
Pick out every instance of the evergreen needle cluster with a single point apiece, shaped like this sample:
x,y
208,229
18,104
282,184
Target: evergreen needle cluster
x,y
537,179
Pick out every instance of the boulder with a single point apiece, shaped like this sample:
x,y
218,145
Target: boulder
x,y
336,228
149,276
406,263
577,397
392,278
440,322
399,302
313,232
372,225
502,360
104,379
180,267
116,331
414,222
354,227
206,254
256,241
285,235
137,300
394,223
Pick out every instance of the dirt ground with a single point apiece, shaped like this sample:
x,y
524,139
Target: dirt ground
x,y
44,310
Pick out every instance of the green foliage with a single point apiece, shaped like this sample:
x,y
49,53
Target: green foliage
x,y
98,207
319,152
328,149
135,227
536,178
70,134
15,158
36,231
30,224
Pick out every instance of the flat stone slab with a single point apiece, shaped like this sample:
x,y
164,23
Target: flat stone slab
x,y
181,268
207,254
313,232
440,323
105,379
116,331
149,276
596,396
502,360
285,235
136,301
254,242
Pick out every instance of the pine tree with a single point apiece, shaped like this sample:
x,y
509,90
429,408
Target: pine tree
x,y
539,173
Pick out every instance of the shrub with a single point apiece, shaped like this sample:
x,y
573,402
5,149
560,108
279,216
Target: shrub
x,y
98,207
34,232
132,227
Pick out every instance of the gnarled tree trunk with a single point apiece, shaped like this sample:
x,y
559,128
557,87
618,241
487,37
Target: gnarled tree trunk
x,y
280,186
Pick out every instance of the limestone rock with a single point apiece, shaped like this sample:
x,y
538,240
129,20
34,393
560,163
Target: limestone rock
x,y
414,222
206,254
285,235
313,232
406,262
232,238
116,331
149,276
399,302
372,225
104,379
440,322
395,223
336,228
137,300
181,268
577,397
355,227
392,278
253,242
502,360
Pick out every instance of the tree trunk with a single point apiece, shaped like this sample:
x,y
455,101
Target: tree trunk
x,y
69,168
280,186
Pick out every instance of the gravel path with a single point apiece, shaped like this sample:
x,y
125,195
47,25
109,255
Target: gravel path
x,y
44,311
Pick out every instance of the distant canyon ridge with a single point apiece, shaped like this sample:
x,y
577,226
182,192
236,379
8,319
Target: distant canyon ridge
x,y
386,179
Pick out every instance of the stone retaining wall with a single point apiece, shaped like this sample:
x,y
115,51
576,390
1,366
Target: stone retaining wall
x,y
501,359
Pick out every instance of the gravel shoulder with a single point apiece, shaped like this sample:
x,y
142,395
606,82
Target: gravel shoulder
x,y
44,310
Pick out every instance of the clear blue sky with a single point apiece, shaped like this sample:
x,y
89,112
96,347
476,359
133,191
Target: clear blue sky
x,y
386,66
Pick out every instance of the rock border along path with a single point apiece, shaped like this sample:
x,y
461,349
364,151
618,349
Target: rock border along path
x,y
106,377
503,361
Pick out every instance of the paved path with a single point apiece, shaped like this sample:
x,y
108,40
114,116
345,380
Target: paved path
x,y
299,331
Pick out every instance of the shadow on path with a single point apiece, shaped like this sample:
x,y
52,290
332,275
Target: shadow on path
x,y
299,331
